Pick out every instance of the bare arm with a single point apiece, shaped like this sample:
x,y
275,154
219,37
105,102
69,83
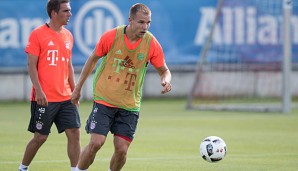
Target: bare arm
x,y
71,79
87,70
32,70
165,77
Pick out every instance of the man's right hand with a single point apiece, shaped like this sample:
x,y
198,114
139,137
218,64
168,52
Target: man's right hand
x,y
75,97
41,98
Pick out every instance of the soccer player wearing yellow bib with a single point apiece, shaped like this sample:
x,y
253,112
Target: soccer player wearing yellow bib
x,y
117,84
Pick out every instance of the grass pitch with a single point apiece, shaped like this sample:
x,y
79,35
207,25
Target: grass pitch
x,y
167,139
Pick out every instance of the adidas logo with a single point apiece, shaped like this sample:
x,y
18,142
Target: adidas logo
x,y
127,62
51,43
118,52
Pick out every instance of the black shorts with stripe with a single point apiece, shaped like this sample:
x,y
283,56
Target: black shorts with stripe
x,y
119,121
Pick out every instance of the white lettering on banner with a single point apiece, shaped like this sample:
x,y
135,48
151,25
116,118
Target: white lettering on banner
x,y
287,4
27,26
92,21
11,31
9,35
240,26
205,24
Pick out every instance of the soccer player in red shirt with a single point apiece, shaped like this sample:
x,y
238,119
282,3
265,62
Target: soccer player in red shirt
x,y
117,84
49,51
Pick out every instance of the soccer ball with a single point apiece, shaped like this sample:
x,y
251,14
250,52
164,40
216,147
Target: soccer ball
x,y
213,149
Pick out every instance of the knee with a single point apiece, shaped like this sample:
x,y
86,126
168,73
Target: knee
x,y
73,134
121,151
95,146
39,138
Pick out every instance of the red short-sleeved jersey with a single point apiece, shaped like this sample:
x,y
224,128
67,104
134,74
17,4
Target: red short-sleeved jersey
x,y
54,52
156,55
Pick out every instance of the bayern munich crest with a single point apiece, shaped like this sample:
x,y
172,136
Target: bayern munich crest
x,y
38,125
92,125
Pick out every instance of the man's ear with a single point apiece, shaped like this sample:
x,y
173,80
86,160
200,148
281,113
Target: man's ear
x,y
129,20
53,14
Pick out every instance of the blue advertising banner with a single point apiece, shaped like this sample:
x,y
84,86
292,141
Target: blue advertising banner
x,y
250,31
181,27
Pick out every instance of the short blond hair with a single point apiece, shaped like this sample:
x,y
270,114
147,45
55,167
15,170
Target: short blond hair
x,y
139,7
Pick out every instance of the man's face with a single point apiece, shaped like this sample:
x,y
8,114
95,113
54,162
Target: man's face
x,y
64,14
140,23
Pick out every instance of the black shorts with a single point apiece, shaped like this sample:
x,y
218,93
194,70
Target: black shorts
x,y
119,121
64,114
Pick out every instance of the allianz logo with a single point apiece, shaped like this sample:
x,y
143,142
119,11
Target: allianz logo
x,y
92,20
244,26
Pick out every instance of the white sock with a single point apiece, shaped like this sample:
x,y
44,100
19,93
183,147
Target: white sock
x,y
72,168
77,169
109,170
23,167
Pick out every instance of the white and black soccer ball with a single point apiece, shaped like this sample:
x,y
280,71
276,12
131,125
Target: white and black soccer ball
x,y
213,149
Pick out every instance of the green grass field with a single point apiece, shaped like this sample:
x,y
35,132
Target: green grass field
x,y
167,139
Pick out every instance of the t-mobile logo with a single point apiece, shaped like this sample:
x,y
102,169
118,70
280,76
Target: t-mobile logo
x,y
52,57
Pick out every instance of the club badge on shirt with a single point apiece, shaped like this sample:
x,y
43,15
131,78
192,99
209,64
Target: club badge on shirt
x,y
67,45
